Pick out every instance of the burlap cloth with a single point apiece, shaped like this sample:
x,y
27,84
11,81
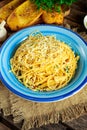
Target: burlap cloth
x,y
37,114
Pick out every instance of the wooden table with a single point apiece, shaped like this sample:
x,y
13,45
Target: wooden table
x,y
75,19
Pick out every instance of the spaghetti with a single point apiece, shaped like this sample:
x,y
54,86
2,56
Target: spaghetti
x,y
44,63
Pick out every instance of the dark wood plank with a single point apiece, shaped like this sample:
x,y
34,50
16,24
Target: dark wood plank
x,y
3,2
77,12
51,127
3,127
8,122
79,123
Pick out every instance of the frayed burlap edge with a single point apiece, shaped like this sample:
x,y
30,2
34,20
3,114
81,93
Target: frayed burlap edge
x,y
4,100
36,122
17,114
66,115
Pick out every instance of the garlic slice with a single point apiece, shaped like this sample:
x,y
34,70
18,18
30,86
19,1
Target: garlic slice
x,y
85,21
3,31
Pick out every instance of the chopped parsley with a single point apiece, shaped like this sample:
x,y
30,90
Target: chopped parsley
x,y
50,5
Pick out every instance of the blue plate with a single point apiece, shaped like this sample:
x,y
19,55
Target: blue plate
x,y
77,44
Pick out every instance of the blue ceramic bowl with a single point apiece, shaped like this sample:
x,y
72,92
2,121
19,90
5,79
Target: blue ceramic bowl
x,y
77,44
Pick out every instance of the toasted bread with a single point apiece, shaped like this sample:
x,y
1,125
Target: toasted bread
x,y
52,17
56,17
24,15
7,9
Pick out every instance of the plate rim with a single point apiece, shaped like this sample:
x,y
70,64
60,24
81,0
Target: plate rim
x,y
39,99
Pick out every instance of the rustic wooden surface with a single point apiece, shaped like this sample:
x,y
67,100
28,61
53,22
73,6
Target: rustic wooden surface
x,y
77,13
75,19
76,124
79,124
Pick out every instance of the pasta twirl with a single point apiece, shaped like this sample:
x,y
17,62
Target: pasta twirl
x,y
44,63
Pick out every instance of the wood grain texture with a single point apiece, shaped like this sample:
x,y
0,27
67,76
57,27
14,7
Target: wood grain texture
x,y
3,2
3,127
77,12
79,123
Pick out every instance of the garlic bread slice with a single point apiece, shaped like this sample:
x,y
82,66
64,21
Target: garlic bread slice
x,y
7,9
23,16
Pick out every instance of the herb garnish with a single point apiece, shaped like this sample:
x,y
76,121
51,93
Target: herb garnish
x,y
67,69
50,5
